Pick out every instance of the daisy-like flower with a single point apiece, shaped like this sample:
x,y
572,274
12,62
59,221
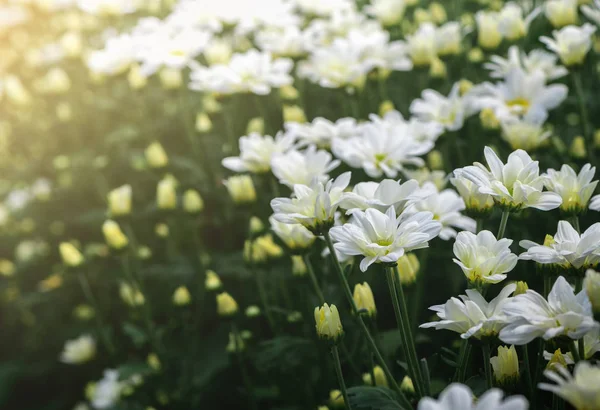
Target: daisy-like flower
x,y
526,133
446,207
580,390
591,343
574,189
301,167
472,315
536,60
384,238
476,203
514,185
520,93
286,41
295,236
381,195
78,351
568,249
380,151
388,12
321,131
571,43
482,258
563,314
256,152
595,203
434,107
312,206
422,47
511,23
459,396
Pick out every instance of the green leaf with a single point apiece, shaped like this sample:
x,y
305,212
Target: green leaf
x,y
375,398
137,335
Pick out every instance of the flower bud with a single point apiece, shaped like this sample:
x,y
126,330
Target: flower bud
x,y
203,123
166,195
521,288
561,12
464,86
475,55
407,385
115,238
488,34
435,160
153,362
293,113
236,343
256,226
170,78
241,189
7,268
56,81
256,124
144,252
210,104
591,284
438,13
328,324
577,149
161,230
380,379
288,93
70,254
422,16
506,366
264,248
212,281
218,52
226,305
557,358
298,266
252,311
131,296
72,44
64,112
336,399
83,312
78,351
119,201
294,317
192,202
488,119
15,92
135,78
364,300
156,156
437,69
408,267
181,296
386,107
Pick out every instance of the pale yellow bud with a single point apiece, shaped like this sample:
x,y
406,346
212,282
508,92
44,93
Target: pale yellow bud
x,y
210,104
252,311
170,78
241,189
257,125
119,201
464,86
181,296
15,92
203,123
72,44
7,268
438,13
561,13
385,107
135,78
115,238
288,93
328,324
212,281
557,358
256,225
488,35
192,202
153,361
422,16
64,113
408,267
156,157
144,252
591,284
161,230
83,312
506,365
577,149
130,295
336,399
364,299
437,69
293,113
407,385
218,52
435,160
226,305
488,119
522,287
475,55
265,248
298,266
70,254
166,194
380,379
56,81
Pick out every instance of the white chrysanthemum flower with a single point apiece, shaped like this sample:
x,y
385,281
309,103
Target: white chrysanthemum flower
x,y
447,111
536,60
446,207
388,12
321,131
568,249
574,189
516,184
380,151
301,167
287,41
595,203
108,7
448,38
561,12
571,43
511,23
482,258
384,238
563,314
488,29
460,397
476,203
422,45
471,315
580,391
312,206
323,8
381,195
107,391
519,94
592,12
253,71
256,152
295,236
526,133
591,344
116,56
78,351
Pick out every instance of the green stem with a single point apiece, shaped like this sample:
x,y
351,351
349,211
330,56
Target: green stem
x,y
372,370
547,284
363,327
479,225
87,292
313,279
503,222
587,135
465,355
575,352
487,366
402,320
340,376
245,377
581,347
262,294
527,368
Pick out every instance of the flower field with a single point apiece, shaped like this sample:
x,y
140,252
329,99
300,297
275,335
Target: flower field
x,y
299,204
